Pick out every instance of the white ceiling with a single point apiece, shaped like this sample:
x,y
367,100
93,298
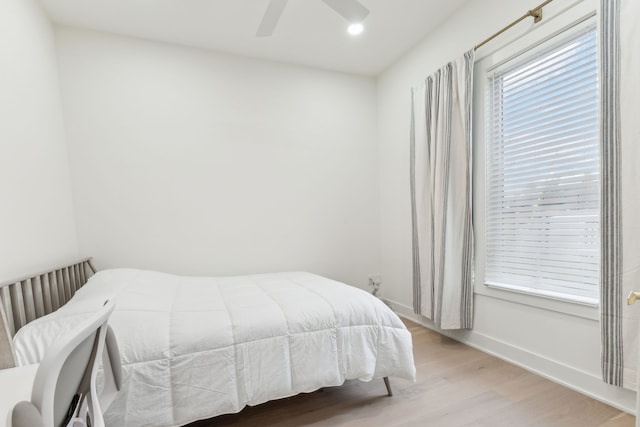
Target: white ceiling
x,y
309,32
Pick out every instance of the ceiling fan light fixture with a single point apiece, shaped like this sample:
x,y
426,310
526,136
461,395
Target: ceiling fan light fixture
x,y
355,28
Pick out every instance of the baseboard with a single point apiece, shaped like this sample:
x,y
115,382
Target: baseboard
x,y
568,376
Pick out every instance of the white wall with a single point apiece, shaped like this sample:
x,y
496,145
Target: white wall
x,y
564,347
37,228
195,162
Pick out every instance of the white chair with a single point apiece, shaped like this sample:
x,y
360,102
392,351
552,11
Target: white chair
x,y
64,391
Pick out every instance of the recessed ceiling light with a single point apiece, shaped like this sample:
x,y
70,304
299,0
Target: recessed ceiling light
x,y
355,29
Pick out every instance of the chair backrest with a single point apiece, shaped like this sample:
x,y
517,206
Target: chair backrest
x,y
66,379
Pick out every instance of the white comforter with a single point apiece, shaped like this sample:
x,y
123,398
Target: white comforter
x,y
195,347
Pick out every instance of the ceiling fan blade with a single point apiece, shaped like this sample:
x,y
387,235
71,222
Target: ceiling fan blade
x,y
271,17
351,10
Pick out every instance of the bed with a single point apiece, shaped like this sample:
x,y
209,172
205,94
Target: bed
x,y
196,347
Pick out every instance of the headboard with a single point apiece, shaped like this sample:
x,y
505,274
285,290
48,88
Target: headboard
x,y
28,298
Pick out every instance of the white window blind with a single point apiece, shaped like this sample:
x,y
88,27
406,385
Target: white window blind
x,y
543,173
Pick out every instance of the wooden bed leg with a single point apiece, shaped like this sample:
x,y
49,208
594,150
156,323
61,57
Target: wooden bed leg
x,y
388,385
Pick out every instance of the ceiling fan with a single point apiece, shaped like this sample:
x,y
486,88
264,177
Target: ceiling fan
x,y
352,10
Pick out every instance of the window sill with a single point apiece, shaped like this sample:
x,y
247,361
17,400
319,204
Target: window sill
x,y
584,309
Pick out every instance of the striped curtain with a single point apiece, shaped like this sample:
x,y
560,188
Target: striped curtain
x,y
611,231
440,171
620,166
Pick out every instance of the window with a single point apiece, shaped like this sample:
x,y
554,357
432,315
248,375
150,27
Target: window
x,y
542,171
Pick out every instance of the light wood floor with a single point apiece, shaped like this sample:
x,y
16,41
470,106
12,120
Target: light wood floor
x,y
456,386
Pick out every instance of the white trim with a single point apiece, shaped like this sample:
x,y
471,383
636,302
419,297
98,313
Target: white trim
x,y
583,382
561,306
562,302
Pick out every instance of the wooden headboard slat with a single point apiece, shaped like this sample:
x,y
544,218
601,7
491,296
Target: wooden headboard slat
x,y
19,315
72,280
60,284
83,276
76,270
7,356
28,300
46,293
5,295
66,280
55,300
38,296
79,281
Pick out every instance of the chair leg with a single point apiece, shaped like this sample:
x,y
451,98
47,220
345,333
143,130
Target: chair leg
x,y
388,385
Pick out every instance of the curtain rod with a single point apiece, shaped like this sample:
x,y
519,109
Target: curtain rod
x,y
535,13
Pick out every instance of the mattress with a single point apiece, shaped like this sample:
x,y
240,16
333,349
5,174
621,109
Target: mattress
x,y
197,347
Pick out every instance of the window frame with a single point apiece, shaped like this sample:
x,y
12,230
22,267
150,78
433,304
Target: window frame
x,y
563,21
